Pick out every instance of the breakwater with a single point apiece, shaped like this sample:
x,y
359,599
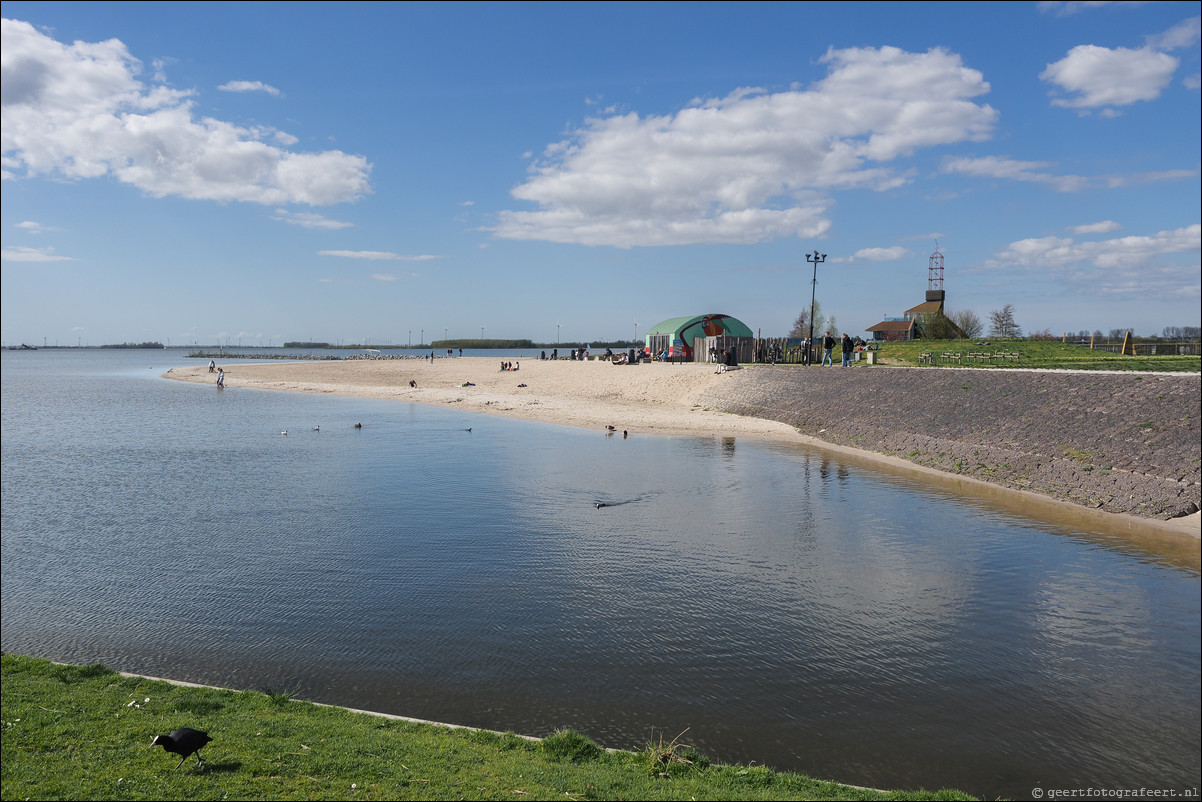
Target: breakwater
x,y
1123,443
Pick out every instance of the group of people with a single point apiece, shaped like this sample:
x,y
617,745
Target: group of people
x,y
846,343
828,345
510,365
630,358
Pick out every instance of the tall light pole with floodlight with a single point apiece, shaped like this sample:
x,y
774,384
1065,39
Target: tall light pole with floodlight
x,y
817,260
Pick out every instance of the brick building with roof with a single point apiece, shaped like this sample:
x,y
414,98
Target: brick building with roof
x,y
910,325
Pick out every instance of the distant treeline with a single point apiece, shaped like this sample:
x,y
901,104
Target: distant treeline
x,y
474,343
159,346
481,344
511,344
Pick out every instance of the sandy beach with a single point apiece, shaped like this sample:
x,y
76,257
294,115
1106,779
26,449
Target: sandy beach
x,y
693,399
645,398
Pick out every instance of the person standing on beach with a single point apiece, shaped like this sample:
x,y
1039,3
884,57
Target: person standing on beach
x,y
212,366
220,377
828,345
847,348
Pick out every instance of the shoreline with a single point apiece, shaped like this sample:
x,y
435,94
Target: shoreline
x,y
768,403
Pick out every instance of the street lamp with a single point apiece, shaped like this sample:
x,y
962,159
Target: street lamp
x,y
817,260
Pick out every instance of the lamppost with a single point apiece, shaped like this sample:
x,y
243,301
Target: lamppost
x,y
556,335
817,260
481,332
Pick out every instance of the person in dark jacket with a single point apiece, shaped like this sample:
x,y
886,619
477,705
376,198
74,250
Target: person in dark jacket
x,y
847,349
828,345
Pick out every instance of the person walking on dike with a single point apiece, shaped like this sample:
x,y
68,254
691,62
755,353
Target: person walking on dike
x,y
828,345
847,347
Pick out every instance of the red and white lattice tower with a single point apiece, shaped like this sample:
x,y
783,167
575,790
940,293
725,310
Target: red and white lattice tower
x,y
935,270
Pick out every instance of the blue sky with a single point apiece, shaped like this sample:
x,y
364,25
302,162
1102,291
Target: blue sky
x,y
250,173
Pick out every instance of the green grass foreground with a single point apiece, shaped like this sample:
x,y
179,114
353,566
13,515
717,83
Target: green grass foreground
x,y
84,732
1042,354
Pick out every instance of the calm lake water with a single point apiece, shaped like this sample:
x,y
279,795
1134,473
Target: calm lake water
x,y
771,603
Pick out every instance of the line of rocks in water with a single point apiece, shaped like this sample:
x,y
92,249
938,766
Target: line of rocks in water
x,y
1123,443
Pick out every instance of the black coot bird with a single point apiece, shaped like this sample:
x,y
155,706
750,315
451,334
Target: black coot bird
x,y
184,742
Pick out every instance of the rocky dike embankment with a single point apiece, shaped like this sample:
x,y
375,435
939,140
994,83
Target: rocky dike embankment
x,y
1124,443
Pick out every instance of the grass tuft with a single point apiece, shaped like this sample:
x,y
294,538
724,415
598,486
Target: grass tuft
x,y
672,758
571,746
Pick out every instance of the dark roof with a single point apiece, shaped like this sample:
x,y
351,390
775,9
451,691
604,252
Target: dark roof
x,y
926,308
892,325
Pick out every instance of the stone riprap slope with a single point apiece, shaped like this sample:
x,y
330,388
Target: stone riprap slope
x,y
1123,443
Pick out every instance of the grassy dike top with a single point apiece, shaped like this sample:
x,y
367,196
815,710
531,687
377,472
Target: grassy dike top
x,y
74,732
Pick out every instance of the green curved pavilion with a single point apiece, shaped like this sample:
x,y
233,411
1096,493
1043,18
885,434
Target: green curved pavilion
x,y
678,334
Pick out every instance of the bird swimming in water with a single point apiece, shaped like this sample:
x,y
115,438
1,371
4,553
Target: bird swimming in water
x,y
601,504
185,742
317,428
285,432
358,425
468,429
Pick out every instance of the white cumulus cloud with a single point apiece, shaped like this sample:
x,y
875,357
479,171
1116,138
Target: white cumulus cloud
x,y
80,111
32,227
1143,266
22,254
1014,170
1104,227
754,165
882,254
248,86
1066,8
378,256
1098,77
1184,34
